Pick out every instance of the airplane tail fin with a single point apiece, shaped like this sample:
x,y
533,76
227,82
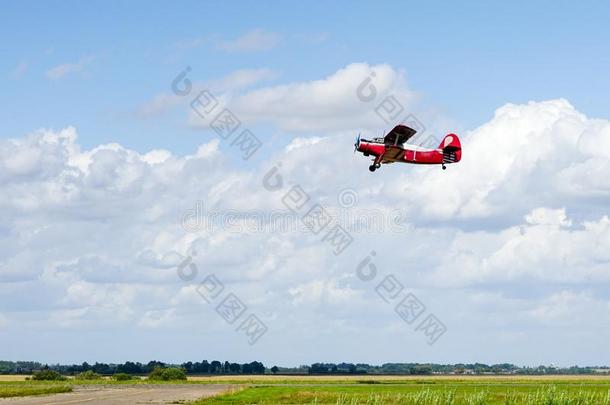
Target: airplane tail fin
x,y
452,148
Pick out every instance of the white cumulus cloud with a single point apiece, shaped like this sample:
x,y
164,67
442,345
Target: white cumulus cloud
x,y
66,69
253,41
92,238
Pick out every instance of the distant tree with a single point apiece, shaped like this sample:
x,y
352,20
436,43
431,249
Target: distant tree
x,y
88,375
274,369
215,367
255,367
156,374
102,368
122,377
47,375
130,368
421,369
318,368
152,365
167,374
188,367
6,367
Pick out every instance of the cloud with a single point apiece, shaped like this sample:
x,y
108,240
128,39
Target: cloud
x,y
65,69
545,216
550,252
500,246
322,292
526,157
156,319
257,40
234,81
328,104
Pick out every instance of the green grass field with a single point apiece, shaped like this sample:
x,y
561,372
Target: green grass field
x,y
22,389
369,390
421,391
405,394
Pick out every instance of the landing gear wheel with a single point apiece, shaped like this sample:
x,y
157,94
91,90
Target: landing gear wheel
x,y
444,167
372,168
378,165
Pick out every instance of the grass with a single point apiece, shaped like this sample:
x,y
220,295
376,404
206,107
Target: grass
x,y
367,390
32,388
426,396
424,391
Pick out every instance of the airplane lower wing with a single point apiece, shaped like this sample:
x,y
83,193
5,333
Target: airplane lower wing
x,y
392,154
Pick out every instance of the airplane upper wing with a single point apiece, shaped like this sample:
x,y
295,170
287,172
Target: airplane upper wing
x,y
399,135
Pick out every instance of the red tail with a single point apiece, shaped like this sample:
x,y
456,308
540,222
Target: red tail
x,y
452,148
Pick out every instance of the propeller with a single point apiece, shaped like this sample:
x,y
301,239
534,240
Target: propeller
x,y
357,144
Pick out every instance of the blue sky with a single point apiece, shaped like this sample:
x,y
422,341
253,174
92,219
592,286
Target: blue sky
x,y
100,163
466,59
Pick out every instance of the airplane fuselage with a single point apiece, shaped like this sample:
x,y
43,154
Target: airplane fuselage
x,y
390,150
408,153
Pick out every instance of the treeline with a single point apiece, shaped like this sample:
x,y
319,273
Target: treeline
x,y
429,369
409,368
133,368
216,367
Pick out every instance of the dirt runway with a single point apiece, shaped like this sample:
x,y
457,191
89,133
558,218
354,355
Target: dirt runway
x,y
124,394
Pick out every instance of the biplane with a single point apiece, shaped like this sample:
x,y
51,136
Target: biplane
x,y
394,147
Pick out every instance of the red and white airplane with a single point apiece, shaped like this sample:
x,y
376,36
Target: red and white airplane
x,y
393,148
